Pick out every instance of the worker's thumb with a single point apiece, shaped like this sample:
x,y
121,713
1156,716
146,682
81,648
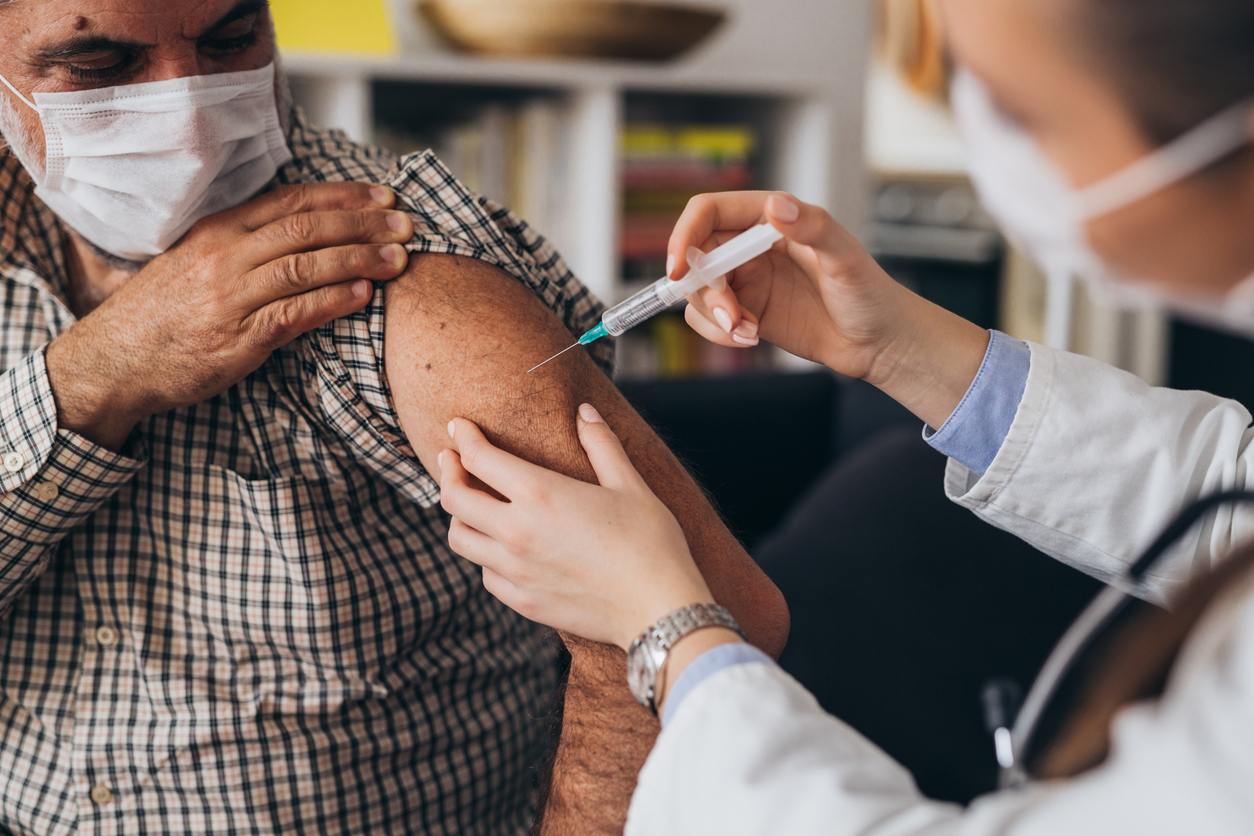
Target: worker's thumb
x,y
605,451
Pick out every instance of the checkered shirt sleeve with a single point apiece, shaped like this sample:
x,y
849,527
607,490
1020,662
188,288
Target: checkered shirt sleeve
x,y
346,356
51,480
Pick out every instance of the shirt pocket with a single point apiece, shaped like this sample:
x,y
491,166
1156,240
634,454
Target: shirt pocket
x,y
280,605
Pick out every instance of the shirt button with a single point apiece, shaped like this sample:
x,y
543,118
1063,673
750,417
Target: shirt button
x,y
46,491
13,462
106,635
101,794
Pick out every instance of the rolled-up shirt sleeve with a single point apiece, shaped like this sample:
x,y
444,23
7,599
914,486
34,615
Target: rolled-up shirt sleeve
x,y
978,427
51,479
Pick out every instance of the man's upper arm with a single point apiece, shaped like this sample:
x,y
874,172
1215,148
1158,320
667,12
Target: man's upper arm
x,y
460,337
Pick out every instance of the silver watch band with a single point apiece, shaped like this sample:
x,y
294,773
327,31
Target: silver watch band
x,y
647,654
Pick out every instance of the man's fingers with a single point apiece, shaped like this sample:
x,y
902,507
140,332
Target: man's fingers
x,y
302,272
506,474
605,452
308,231
459,497
310,197
280,322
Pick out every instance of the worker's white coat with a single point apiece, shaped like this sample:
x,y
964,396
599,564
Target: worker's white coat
x,y
1095,464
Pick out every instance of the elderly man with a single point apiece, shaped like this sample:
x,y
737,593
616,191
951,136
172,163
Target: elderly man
x,y
228,603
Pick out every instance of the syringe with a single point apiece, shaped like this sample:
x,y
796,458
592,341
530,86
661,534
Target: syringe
x,y
704,270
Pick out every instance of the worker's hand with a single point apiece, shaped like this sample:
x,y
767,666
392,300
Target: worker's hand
x,y
600,561
206,313
817,294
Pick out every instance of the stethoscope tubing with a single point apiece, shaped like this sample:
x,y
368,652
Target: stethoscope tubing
x,y
1097,616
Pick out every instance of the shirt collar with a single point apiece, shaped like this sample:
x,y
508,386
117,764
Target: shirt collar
x,y
31,238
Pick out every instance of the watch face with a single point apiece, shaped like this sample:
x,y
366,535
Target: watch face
x,y
640,672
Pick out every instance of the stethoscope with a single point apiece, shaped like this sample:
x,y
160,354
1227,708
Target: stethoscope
x,y
1016,737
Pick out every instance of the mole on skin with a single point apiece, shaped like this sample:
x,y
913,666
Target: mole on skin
x,y
80,23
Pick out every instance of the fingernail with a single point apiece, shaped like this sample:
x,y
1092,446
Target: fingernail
x,y
589,414
746,329
452,428
784,209
381,195
393,254
723,318
745,341
439,459
398,221
670,264
361,288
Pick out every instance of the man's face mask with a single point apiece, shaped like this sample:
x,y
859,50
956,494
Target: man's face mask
x,y
1042,215
132,168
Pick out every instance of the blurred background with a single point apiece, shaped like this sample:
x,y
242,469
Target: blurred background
x,y
596,120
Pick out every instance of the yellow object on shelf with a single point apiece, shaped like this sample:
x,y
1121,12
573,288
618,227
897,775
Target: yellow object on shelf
x,y
362,26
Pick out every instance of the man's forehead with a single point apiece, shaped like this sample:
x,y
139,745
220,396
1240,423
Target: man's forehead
x,y
149,22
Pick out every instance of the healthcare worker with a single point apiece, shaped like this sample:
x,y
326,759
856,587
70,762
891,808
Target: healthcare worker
x,y
1112,139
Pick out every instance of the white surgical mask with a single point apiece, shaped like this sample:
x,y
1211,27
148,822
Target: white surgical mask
x,y
132,168
1042,215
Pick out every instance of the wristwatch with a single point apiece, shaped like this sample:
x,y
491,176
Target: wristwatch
x,y
647,654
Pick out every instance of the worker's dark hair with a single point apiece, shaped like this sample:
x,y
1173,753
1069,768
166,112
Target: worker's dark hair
x,y
1176,61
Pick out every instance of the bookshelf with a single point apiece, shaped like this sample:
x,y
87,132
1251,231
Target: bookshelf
x,y
803,104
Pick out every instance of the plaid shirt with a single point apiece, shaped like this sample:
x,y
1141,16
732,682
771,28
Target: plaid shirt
x,y
249,621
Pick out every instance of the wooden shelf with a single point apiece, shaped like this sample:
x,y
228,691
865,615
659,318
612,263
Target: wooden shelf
x,y
556,75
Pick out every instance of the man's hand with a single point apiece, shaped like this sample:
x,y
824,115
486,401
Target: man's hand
x,y
202,316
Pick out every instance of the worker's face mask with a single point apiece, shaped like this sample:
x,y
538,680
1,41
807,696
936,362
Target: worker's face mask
x,y
132,168
1042,215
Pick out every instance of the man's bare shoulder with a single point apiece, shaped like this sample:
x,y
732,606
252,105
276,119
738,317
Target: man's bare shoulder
x,y
461,337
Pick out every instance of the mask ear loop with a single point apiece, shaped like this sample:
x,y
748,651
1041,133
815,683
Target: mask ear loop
x,y
1208,143
18,93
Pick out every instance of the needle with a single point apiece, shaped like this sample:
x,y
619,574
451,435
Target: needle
x,y
554,357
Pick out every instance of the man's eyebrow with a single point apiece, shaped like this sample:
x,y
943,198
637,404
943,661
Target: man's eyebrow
x,y
86,45
79,46
241,10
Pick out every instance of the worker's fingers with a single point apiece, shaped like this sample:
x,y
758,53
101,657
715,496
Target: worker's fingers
x,y
745,335
311,197
707,215
506,474
460,498
720,305
614,470
503,590
477,547
812,226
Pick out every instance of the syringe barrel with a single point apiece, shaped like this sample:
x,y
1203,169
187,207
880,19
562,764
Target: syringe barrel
x,y
641,306
704,270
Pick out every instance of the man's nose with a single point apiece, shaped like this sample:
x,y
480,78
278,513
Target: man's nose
x,y
181,62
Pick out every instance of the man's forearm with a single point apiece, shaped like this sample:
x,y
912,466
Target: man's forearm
x,y
606,734
606,737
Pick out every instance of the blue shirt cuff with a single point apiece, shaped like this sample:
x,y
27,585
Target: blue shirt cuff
x,y
978,427
706,665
